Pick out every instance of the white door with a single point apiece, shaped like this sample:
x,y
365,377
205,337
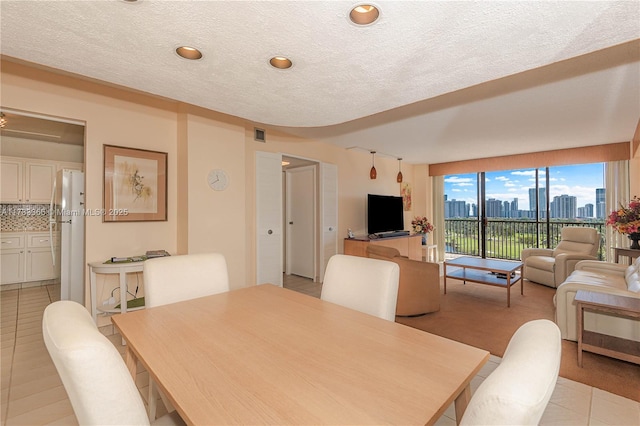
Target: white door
x,y
300,222
329,214
268,218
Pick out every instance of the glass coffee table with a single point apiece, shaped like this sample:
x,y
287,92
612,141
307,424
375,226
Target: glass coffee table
x,y
500,273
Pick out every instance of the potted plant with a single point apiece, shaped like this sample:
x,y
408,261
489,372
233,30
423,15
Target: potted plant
x,y
421,225
626,220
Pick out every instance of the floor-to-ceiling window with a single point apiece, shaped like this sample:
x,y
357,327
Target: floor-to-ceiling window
x,y
496,214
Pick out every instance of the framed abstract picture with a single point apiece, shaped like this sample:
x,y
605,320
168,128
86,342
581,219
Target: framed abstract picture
x,y
405,191
135,185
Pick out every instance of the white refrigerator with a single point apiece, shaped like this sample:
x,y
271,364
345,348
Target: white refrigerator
x,y
66,220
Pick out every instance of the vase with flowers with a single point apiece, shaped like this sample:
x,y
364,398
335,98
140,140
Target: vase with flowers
x,y
626,220
421,225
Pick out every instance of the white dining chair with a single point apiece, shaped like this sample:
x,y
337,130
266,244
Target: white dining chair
x,y
363,284
518,390
99,385
173,279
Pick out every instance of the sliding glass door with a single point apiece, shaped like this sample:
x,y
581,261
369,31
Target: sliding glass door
x,y
497,214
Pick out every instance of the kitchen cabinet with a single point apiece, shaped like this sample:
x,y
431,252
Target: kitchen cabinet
x,y
39,178
27,181
39,265
12,180
12,258
26,256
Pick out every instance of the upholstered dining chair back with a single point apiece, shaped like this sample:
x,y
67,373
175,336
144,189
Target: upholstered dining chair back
x,y
100,387
363,284
518,390
173,279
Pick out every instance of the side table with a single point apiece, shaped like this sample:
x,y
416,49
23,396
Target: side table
x,y
430,252
612,346
122,269
630,253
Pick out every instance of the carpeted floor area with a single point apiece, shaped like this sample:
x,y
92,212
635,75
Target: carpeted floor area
x,y
477,315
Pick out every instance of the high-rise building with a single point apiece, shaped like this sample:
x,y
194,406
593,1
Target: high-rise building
x,y
588,210
564,207
601,207
494,208
455,208
542,201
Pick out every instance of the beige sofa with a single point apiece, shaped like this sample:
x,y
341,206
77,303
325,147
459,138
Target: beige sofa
x,y
602,277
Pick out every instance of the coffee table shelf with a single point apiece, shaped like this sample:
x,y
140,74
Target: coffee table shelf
x,y
483,271
481,277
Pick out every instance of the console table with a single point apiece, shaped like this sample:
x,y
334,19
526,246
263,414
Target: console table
x,y
407,245
121,269
611,304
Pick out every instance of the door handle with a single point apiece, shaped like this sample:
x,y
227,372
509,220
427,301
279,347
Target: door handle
x,y
290,223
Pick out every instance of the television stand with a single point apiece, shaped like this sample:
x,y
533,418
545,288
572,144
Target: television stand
x,y
407,245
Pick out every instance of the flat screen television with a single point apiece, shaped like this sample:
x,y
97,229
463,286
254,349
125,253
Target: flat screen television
x,y
384,214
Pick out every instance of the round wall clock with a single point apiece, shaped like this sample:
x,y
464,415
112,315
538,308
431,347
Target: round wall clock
x,y
218,179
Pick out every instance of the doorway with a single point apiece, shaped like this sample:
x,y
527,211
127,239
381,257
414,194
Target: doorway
x,y
300,219
35,149
271,248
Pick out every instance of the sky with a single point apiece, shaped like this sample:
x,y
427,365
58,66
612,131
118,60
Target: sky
x,y
580,181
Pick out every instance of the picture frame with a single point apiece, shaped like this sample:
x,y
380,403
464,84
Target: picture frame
x,y
135,185
405,192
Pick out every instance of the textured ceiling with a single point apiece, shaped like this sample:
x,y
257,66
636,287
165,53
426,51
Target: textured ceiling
x,y
430,81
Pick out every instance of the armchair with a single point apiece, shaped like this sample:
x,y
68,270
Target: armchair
x,y
552,266
419,286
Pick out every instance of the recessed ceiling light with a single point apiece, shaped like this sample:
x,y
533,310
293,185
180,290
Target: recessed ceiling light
x,y
364,14
280,62
189,52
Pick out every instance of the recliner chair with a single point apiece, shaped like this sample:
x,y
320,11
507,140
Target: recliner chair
x,y
419,286
552,266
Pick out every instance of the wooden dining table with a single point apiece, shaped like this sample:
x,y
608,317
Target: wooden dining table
x,y
269,355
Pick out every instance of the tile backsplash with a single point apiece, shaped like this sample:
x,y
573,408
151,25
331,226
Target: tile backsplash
x,y
24,217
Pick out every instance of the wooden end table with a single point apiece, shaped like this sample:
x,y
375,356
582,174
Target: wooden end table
x,y
630,253
612,346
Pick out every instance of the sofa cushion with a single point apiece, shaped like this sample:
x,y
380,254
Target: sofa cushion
x,y
596,279
572,247
633,282
541,262
630,271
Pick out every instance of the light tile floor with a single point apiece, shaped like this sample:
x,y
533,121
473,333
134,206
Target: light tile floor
x,y
32,393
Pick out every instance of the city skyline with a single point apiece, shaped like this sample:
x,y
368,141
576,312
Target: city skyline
x,y
580,181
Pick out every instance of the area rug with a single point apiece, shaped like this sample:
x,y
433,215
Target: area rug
x,y
478,315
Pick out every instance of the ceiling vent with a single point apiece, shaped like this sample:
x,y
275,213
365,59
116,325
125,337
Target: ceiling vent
x,y
259,135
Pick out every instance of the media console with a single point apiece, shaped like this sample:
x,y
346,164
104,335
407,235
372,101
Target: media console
x,y
407,245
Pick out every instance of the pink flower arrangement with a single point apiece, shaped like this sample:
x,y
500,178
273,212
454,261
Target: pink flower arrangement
x,y
626,220
421,225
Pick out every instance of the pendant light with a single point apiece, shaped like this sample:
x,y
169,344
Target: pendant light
x,y
373,173
399,177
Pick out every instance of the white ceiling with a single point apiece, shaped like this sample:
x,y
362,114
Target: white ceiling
x,y
430,81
